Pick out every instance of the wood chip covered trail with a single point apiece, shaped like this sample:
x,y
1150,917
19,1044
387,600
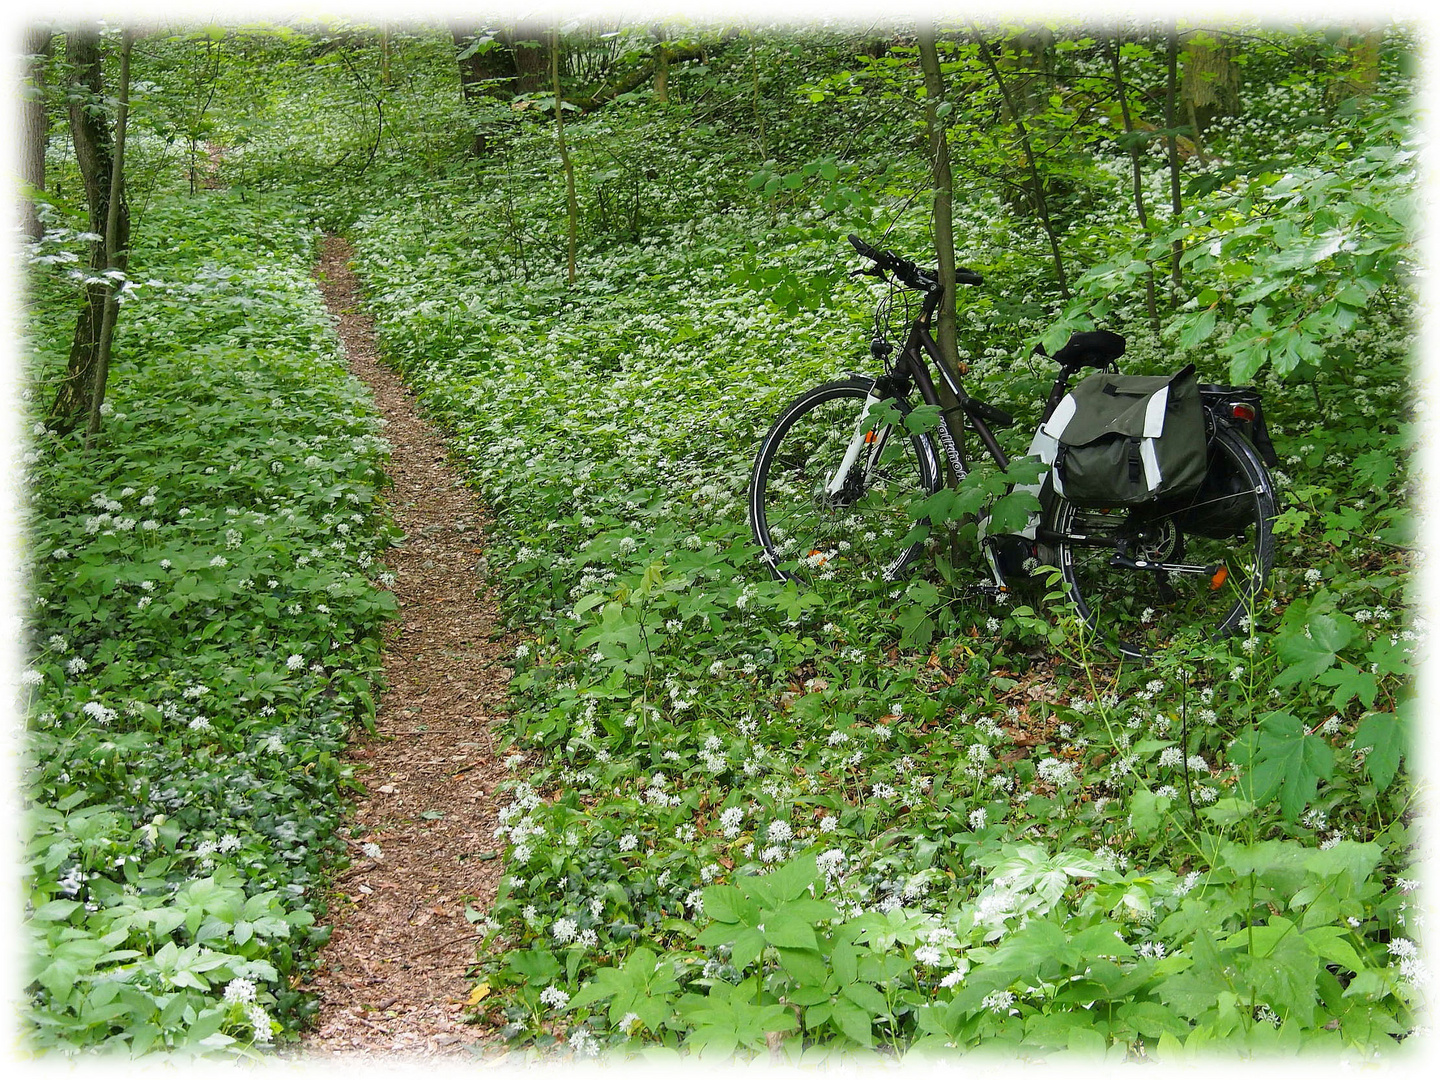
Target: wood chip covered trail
x,y
391,980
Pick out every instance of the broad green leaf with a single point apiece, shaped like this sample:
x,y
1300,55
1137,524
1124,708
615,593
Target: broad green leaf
x,y
1313,650
1288,763
1386,736
853,1020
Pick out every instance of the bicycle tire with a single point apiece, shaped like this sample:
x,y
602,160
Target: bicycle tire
x,y
1142,612
865,534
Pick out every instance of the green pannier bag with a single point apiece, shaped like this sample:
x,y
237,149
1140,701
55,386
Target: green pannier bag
x,y
1128,440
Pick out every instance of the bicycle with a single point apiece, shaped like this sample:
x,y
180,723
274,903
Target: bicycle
x,y
837,475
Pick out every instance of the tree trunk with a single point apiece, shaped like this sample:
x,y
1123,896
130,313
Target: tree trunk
x,y
1029,61
943,188
566,165
487,69
483,73
532,64
1211,84
1137,181
1361,73
637,77
1042,209
1172,148
944,224
34,127
94,154
112,229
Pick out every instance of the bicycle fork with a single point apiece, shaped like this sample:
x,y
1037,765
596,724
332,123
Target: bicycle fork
x,y
866,436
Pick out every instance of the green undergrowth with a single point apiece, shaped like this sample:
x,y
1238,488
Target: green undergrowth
x,y
748,818
743,818
202,633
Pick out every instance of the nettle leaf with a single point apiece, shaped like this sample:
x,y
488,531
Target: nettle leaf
x,y
771,909
854,1020
537,964
923,418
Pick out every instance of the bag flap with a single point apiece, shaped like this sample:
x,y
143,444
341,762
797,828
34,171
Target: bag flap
x,y
1104,404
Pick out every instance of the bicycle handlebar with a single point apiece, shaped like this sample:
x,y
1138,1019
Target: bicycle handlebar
x,y
906,272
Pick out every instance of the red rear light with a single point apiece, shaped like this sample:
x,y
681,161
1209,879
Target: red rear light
x,y
1240,411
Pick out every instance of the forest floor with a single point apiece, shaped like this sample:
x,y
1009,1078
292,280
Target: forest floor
x,y
391,980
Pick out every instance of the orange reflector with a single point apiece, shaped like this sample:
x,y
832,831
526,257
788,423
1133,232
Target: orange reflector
x,y
817,558
1218,578
870,437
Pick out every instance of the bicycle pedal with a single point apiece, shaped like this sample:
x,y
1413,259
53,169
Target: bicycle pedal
x,y
988,589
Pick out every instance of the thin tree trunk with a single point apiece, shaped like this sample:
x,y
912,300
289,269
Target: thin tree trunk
x,y
572,210
34,127
944,224
755,100
662,63
1172,57
210,47
664,58
1136,175
1041,208
94,156
1209,81
943,190
112,231
1361,72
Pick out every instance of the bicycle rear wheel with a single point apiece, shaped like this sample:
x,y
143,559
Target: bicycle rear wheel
x,y
1221,538
860,533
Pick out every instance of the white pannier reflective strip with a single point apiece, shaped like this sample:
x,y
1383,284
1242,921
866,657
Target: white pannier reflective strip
x,y
1058,419
1042,447
1155,412
1150,463
1154,426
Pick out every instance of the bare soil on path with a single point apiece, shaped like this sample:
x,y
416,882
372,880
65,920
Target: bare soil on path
x,y
391,980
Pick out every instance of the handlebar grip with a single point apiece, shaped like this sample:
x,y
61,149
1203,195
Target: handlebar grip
x,y
965,276
863,248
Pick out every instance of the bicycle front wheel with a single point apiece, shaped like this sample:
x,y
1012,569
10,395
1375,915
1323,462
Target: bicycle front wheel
x,y
1146,580
814,524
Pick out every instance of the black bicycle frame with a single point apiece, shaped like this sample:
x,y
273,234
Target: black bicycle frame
x,y
911,363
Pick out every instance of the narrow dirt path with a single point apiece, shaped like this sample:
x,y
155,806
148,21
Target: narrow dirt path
x,y
391,979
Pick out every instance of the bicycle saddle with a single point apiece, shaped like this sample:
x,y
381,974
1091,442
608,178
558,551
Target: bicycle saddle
x,y
1088,348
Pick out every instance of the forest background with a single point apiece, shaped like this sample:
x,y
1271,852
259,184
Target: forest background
x,y
822,823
